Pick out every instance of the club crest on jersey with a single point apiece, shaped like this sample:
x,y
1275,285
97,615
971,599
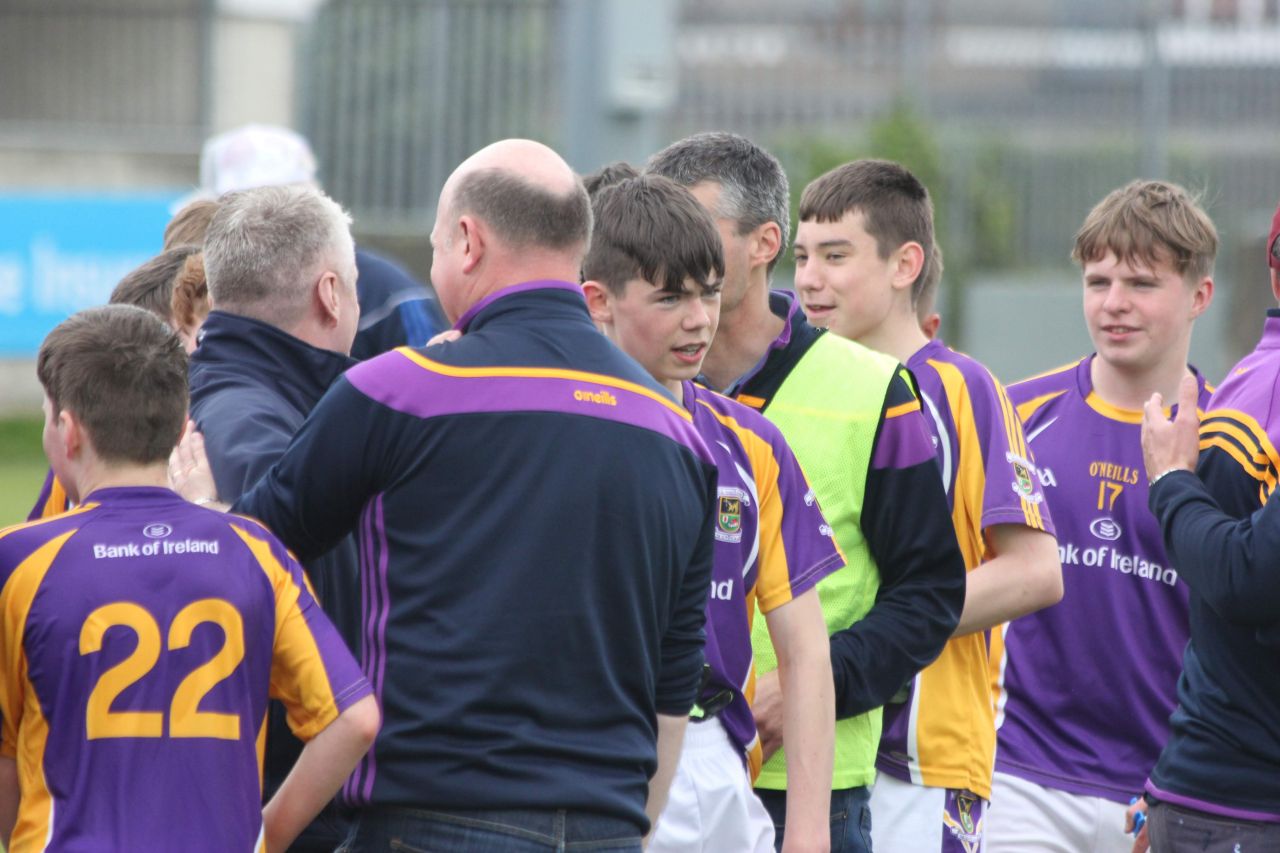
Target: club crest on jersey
x,y
729,508
1024,478
963,827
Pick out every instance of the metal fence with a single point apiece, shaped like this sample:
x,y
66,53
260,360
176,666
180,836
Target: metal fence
x,y
129,74
1062,100
1023,113
396,93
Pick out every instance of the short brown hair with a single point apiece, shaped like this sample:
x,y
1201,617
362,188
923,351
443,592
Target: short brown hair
x,y
895,207
930,279
607,176
190,304
1150,221
189,224
123,373
652,228
523,214
150,286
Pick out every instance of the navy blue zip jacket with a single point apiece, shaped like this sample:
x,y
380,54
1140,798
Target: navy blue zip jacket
x,y
535,521
252,386
1223,755
395,308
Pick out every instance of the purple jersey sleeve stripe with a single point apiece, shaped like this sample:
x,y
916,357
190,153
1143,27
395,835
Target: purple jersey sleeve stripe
x,y
380,631
352,790
903,441
409,383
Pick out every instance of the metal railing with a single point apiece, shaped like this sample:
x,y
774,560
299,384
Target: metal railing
x,y
122,73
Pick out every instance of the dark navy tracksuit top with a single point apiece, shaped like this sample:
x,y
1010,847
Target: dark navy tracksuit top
x,y
535,523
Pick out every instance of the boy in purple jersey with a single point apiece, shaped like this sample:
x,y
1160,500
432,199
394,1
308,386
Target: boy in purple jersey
x,y
1087,687
865,233
142,635
652,285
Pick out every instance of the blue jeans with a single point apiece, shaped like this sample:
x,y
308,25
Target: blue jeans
x,y
1175,829
850,818
489,831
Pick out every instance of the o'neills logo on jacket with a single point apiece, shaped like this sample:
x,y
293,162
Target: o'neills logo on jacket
x,y
600,398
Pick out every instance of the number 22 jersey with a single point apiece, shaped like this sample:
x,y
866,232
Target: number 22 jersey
x,y
141,637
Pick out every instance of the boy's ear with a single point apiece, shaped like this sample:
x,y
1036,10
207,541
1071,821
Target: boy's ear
x,y
1202,297
599,301
908,265
72,432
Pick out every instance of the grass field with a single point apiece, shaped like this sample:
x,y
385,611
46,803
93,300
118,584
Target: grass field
x,y
22,467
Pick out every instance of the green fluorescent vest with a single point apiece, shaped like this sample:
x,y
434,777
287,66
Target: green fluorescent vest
x,y
828,408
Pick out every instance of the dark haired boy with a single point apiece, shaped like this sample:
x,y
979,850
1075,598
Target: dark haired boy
x,y
862,246
653,287
853,420
143,635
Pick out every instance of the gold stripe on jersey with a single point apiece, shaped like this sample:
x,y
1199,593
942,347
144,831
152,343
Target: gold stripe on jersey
x,y
543,373
1017,439
954,731
297,678
260,748
56,503
1245,440
968,497
1030,407
756,403
1115,413
25,730
902,409
27,525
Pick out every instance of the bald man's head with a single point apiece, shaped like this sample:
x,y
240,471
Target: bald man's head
x,y
525,193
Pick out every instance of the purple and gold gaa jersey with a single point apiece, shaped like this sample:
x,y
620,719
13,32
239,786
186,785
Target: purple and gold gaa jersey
x,y
141,638
1085,688
772,545
943,735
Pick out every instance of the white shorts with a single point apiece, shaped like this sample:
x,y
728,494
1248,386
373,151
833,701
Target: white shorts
x,y
711,808
1029,818
908,818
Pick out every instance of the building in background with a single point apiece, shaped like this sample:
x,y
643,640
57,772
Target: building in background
x,y
1018,113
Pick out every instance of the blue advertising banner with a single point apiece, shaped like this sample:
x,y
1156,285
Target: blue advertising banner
x,y
61,252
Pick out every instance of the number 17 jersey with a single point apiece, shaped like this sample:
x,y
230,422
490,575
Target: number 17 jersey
x,y
1086,686
141,636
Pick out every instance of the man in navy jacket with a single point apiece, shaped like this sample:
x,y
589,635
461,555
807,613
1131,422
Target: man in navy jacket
x,y
535,522
281,268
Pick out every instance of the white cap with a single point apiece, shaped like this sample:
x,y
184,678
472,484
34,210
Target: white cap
x,y
256,155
